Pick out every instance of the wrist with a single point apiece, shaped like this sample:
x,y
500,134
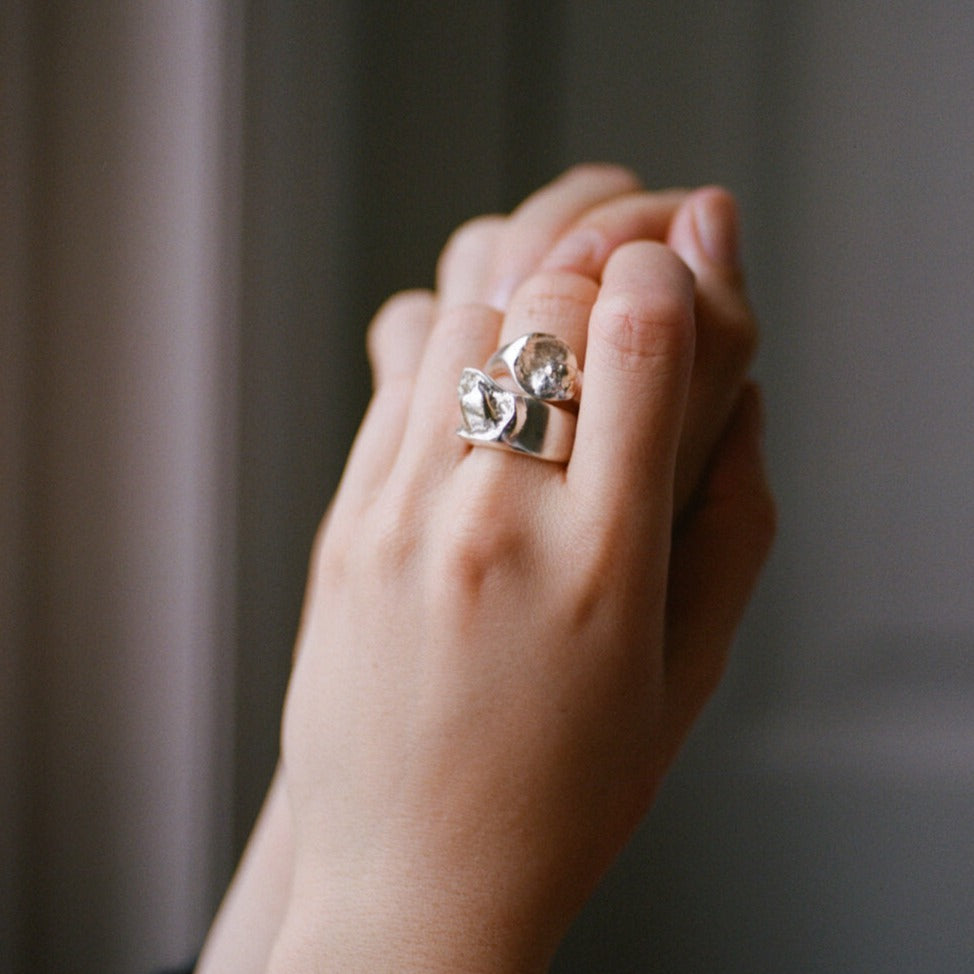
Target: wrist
x,y
363,927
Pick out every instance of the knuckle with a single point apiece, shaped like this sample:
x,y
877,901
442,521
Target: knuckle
x,y
552,296
390,542
482,542
395,314
598,589
637,329
470,241
474,555
408,304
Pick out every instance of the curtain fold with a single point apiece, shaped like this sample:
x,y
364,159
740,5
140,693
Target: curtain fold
x,y
124,440
13,382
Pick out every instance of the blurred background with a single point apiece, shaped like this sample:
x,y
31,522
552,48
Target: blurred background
x,y
201,205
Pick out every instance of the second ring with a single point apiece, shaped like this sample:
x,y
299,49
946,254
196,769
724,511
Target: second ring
x,y
541,365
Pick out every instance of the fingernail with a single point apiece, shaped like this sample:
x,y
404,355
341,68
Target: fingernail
x,y
717,224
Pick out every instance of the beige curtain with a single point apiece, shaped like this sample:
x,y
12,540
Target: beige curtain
x,y
119,196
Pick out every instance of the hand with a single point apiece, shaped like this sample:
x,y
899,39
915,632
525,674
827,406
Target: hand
x,y
485,261
500,657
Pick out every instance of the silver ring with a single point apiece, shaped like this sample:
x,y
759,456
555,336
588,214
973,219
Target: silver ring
x,y
542,366
496,417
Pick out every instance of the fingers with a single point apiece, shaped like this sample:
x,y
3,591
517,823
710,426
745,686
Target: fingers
x,y
465,271
586,246
568,230
715,563
705,233
640,352
417,352
554,302
543,217
487,259
397,336
396,341
462,336
558,297
483,264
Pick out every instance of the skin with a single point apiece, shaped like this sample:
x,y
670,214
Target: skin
x,y
500,658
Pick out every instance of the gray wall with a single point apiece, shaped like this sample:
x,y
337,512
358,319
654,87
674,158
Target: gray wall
x,y
117,446
822,818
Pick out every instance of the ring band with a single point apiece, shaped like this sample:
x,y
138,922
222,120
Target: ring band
x,y
542,366
496,417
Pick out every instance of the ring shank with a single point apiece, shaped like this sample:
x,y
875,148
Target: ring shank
x,y
502,419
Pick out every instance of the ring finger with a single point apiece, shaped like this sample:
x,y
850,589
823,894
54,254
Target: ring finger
x,y
555,303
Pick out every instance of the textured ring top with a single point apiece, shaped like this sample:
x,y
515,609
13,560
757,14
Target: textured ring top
x,y
542,366
497,417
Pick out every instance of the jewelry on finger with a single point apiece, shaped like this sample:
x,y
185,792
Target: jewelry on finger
x,y
497,417
542,366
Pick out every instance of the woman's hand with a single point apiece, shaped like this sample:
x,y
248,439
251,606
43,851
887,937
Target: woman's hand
x,y
588,212
500,656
